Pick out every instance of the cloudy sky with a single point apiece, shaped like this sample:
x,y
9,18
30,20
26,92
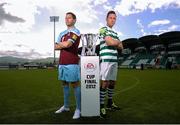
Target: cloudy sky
x,y
25,29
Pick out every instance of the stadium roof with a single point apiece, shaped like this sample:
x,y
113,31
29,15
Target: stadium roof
x,y
131,43
149,40
170,37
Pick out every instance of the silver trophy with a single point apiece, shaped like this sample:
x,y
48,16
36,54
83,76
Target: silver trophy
x,y
89,44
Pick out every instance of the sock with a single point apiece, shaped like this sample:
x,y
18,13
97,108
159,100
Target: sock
x,y
77,93
102,97
66,96
110,95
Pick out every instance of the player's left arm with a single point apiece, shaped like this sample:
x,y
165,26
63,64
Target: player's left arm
x,y
63,45
68,43
111,42
114,42
120,46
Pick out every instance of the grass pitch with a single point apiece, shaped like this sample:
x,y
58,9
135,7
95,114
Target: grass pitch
x,y
32,96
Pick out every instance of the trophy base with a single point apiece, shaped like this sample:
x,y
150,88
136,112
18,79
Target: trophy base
x,y
90,100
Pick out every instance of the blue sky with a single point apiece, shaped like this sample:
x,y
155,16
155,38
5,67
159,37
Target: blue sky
x,y
25,30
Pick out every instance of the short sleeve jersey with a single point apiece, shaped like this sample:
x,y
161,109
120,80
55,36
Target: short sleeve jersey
x,y
69,55
107,53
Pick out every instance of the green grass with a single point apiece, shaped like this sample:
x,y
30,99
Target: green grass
x,y
32,96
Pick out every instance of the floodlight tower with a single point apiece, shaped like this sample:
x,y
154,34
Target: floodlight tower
x,y
54,19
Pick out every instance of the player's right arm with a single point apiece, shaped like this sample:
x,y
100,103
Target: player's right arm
x,y
62,44
108,39
112,42
74,36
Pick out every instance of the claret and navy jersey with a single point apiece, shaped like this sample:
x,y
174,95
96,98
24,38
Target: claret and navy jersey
x,y
69,55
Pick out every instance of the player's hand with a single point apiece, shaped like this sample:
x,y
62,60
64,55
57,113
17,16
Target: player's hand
x,y
56,46
120,46
108,38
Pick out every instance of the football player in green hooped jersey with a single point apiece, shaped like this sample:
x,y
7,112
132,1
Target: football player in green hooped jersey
x,y
109,43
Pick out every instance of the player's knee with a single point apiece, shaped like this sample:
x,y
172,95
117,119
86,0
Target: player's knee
x,y
64,83
111,84
104,84
75,84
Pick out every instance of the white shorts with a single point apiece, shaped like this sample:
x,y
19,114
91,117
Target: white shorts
x,y
108,71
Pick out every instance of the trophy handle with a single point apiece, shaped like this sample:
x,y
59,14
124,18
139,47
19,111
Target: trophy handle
x,y
83,45
94,46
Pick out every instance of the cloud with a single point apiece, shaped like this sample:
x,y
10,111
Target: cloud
x,y
21,46
37,32
32,54
8,17
128,7
158,31
24,9
158,22
107,7
170,28
173,27
100,2
120,34
141,27
34,15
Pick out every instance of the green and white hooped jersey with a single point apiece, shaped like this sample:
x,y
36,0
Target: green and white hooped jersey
x,y
107,53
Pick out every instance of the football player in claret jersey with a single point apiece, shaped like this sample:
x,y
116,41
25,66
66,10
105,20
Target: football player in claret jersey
x,y
109,43
69,69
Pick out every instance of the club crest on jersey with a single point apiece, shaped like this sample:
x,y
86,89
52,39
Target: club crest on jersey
x,y
74,37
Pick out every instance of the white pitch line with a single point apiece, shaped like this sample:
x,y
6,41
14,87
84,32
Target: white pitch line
x,y
130,87
33,112
53,109
26,113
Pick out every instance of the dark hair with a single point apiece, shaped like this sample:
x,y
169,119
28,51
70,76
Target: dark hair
x,y
72,14
110,12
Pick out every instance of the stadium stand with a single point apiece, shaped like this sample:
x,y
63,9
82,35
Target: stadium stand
x,y
153,50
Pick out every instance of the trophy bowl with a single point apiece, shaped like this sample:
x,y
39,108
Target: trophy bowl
x,y
89,43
